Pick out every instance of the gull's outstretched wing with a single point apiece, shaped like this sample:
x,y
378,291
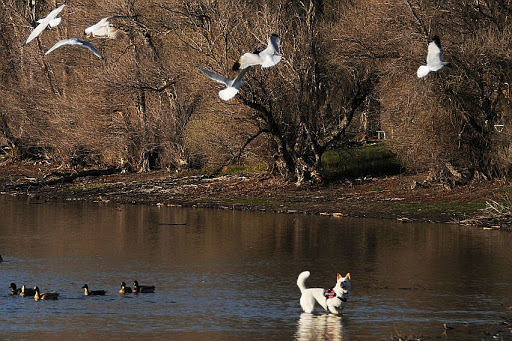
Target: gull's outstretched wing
x,y
75,41
102,29
98,26
273,44
36,31
216,77
237,82
249,59
55,12
90,46
434,52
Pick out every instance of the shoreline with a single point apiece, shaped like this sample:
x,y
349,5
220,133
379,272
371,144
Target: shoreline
x,y
394,197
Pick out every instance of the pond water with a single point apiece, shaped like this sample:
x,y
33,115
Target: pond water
x,y
228,275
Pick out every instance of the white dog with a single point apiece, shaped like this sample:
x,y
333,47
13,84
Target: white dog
x,y
332,300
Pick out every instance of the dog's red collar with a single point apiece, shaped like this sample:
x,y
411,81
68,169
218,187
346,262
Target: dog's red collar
x,y
330,293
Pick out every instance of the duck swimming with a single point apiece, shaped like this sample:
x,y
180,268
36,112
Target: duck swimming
x,y
142,288
26,292
45,296
88,292
14,289
124,289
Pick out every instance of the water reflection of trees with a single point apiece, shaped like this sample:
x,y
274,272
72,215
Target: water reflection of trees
x,y
397,255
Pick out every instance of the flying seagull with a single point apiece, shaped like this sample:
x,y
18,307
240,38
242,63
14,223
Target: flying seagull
x,y
51,19
232,85
266,58
434,62
75,41
102,29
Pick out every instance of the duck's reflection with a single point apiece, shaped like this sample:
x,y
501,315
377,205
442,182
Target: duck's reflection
x,y
319,327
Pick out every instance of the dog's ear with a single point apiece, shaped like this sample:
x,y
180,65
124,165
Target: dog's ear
x,y
338,276
348,275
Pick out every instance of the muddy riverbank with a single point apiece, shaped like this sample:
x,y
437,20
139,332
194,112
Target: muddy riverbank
x,y
398,197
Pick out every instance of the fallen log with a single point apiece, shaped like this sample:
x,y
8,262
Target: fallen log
x,y
62,178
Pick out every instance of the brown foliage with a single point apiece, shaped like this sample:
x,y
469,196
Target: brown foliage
x,y
448,118
122,111
147,106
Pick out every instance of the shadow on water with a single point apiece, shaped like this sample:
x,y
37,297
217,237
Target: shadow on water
x,y
230,275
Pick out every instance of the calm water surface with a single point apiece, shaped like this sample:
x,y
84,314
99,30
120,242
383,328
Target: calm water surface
x,y
227,275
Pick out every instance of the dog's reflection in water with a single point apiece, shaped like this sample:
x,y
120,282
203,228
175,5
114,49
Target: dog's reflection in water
x,y
319,327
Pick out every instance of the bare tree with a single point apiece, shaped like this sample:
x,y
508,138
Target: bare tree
x,y
129,110
445,123
304,104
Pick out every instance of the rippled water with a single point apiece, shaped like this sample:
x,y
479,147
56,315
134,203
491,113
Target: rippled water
x,y
227,275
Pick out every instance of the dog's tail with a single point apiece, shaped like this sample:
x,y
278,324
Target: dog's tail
x,y
301,280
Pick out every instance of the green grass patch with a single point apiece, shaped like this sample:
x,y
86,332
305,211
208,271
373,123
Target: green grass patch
x,y
445,206
245,168
506,190
367,160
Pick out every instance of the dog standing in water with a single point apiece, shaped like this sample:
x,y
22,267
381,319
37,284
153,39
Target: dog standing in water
x,y
332,300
